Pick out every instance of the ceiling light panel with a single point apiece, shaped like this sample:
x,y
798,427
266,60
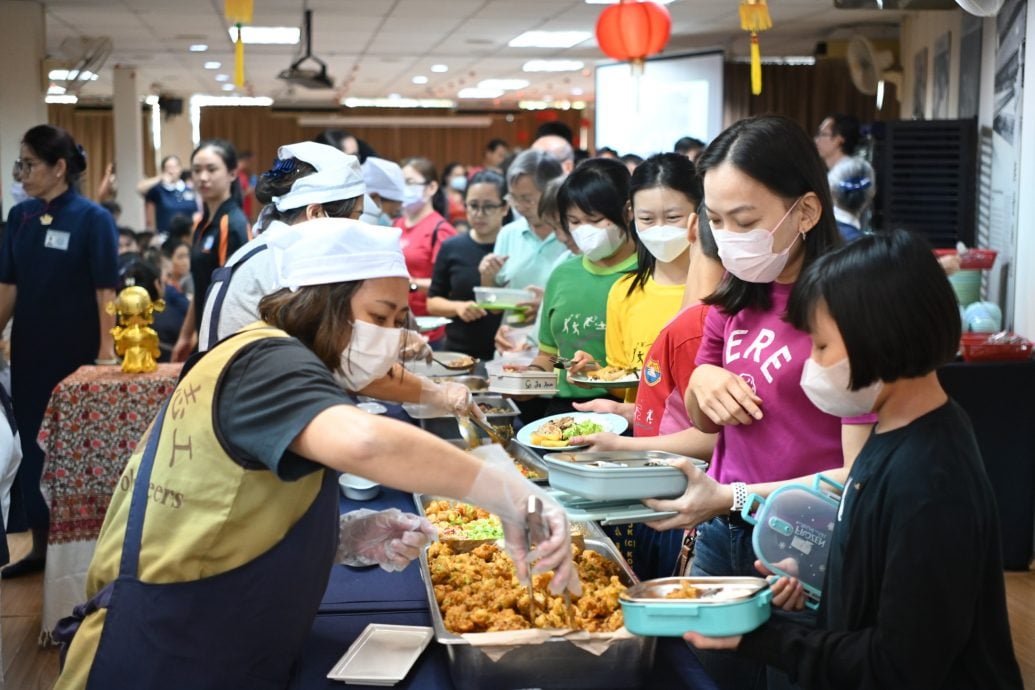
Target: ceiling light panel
x,y
549,39
502,84
553,66
267,35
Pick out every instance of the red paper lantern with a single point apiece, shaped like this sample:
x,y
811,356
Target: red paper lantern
x,y
633,30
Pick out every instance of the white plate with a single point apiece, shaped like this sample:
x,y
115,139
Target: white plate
x,y
382,655
627,381
430,323
614,423
422,368
372,407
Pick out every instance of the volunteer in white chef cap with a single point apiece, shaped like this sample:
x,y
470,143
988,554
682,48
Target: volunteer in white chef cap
x,y
238,541
386,188
311,181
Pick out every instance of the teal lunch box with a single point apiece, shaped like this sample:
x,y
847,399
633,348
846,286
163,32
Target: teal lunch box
x,y
793,529
713,606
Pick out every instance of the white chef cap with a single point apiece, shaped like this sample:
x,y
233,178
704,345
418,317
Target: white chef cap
x,y
338,176
324,251
384,178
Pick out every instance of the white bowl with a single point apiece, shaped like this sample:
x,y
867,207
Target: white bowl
x,y
358,488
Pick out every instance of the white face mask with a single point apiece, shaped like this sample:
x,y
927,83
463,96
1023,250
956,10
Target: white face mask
x,y
749,255
371,352
598,243
665,242
827,388
413,198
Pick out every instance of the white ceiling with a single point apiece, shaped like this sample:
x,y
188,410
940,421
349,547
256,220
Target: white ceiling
x,y
374,48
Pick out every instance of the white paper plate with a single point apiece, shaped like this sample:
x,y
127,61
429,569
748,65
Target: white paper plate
x,y
382,655
614,423
627,381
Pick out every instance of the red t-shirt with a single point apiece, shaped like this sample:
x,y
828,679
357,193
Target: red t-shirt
x,y
667,368
420,245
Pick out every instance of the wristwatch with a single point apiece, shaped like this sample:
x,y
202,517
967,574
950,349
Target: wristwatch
x,y
740,496
413,287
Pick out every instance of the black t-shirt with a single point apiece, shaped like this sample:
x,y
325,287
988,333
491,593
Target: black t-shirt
x,y
212,247
914,594
270,391
455,277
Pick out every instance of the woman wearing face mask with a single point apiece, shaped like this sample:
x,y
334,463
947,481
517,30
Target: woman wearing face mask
x,y
456,270
454,177
917,491
424,230
574,310
310,181
386,188
58,272
222,229
234,542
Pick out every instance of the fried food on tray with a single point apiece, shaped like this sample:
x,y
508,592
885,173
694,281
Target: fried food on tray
x,y
461,362
478,591
685,591
609,373
557,433
455,520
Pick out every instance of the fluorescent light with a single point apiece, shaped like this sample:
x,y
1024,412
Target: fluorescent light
x,y
201,101
439,68
61,98
72,75
532,105
151,99
198,48
228,87
578,105
549,39
212,64
394,96
420,79
267,35
398,103
55,90
502,84
553,66
577,91
615,2
222,77
475,92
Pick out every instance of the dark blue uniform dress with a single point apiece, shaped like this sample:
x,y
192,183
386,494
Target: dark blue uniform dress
x,y
57,268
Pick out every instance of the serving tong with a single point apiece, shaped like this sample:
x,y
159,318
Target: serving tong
x,y
537,531
453,367
469,431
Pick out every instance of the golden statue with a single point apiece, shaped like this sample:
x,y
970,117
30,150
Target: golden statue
x,y
135,341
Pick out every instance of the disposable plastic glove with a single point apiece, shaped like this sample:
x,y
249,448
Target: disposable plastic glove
x,y
500,489
440,399
387,538
415,347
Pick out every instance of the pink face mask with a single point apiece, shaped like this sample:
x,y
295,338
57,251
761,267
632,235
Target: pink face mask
x,y
750,256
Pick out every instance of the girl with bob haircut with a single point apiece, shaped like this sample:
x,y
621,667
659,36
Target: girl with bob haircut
x,y
916,492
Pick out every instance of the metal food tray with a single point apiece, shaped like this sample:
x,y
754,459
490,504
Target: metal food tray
x,y
580,530
418,411
579,474
525,456
554,664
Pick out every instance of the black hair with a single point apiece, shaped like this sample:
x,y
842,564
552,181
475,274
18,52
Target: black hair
x,y
226,151
704,234
488,177
685,145
53,144
125,231
669,170
631,158
606,149
427,170
888,295
846,127
337,137
170,246
580,155
180,226
495,144
172,156
555,127
776,152
448,168
278,181
134,269
111,207
186,175
548,199
598,186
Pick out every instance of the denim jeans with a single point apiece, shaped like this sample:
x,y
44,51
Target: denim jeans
x,y
724,549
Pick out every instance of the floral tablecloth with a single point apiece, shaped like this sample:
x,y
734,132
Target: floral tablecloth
x,y
91,427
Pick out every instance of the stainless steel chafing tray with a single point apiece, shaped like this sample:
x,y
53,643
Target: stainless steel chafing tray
x,y
525,456
554,664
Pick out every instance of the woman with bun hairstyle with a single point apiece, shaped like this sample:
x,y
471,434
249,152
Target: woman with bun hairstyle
x,y
58,271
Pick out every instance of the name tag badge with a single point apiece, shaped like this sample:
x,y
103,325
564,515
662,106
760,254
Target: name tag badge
x,y
207,244
56,239
187,195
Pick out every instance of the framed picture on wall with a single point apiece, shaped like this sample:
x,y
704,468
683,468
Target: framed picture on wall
x,y
920,84
940,78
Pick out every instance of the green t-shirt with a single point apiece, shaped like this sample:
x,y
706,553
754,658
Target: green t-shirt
x,y
574,314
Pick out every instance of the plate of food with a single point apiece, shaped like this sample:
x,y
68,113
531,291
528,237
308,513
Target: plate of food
x,y
443,364
608,377
557,431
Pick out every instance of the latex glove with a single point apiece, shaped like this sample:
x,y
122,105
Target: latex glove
x,y
448,398
703,499
724,397
415,347
500,489
505,342
386,538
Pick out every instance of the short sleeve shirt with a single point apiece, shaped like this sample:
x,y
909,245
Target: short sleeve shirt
x,y
530,259
170,200
211,247
421,244
455,277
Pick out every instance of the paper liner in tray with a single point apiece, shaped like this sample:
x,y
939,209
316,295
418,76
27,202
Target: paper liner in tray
x,y
496,644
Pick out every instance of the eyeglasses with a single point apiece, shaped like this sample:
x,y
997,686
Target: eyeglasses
x,y
526,199
23,166
483,208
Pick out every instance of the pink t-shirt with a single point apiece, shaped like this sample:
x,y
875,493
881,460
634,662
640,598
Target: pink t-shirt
x,y
793,438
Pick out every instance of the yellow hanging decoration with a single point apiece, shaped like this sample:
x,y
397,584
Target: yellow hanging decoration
x,y
238,13
754,17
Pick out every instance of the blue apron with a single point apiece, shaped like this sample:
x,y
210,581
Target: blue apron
x,y
218,289
240,629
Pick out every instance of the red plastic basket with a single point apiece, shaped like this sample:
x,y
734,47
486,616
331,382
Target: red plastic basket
x,y
977,348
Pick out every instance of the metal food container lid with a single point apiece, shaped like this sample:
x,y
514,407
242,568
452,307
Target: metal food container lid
x,y
710,590
622,461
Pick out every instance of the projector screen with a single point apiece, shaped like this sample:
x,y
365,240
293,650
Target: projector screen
x,y
678,96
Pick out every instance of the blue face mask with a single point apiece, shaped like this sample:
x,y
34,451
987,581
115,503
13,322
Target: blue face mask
x,y
459,183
